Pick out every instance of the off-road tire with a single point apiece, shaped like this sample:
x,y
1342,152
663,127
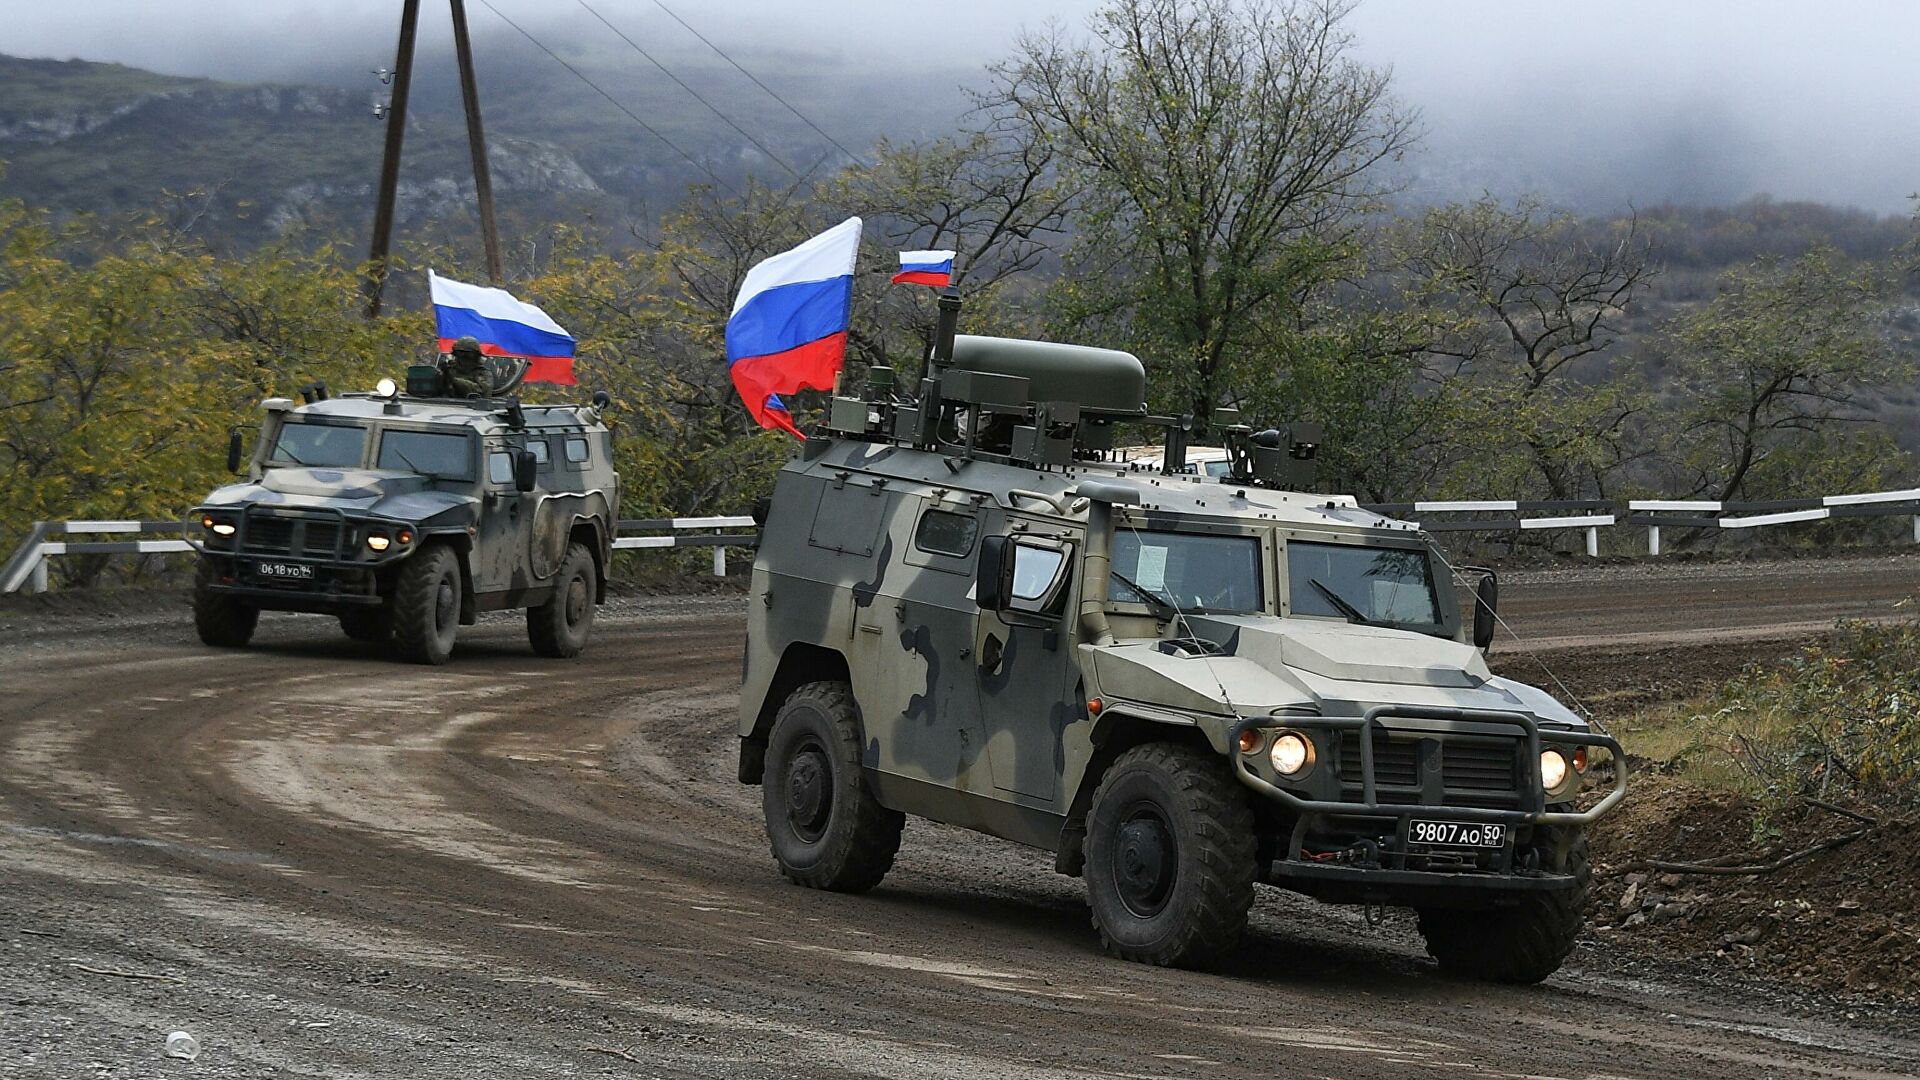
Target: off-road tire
x,y
221,620
1522,944
826,828
559,628
426,606
367,624
1170,857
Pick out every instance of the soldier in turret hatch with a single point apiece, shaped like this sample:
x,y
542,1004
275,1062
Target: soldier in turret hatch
x,y
467,372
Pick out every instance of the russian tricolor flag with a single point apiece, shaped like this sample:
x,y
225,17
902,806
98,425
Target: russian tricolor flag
x,y
788,330
504,327
926,268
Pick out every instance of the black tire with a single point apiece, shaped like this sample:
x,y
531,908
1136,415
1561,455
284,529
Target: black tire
x,y
426,606
1170,857
826,828
222,621
367,624
559,628
1522,944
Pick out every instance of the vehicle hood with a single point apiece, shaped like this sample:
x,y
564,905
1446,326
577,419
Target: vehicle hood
x,y
1337,669
376,492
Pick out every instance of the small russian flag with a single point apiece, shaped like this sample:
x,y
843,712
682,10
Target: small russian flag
x,y
933,268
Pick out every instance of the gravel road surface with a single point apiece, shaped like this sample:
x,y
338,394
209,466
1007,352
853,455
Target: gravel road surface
x,y
325,864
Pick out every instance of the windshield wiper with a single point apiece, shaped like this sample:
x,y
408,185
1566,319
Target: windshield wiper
x,y
1353,614
1163,607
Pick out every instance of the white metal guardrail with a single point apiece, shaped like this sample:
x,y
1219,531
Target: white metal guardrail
x,y
27,567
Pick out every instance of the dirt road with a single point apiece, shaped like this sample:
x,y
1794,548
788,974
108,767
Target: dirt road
x,y
324,864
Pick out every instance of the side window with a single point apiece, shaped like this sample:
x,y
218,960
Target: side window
x,y
541,451
945,533
1039,572
576,451
500,467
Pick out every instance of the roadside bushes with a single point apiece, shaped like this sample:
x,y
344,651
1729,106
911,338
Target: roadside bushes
x,y
1838,723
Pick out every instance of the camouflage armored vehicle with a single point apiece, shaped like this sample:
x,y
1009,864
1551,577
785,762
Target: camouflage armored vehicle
x,y
1179,685
406,515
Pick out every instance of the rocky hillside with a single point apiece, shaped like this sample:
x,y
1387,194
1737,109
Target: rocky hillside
x,y
248,162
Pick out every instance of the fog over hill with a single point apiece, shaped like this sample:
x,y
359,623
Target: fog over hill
x,y
1636,103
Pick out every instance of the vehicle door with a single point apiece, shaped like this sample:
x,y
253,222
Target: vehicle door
x,y
1027,679
500,556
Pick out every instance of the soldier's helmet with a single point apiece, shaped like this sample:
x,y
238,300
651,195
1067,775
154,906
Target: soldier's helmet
x,y
466,345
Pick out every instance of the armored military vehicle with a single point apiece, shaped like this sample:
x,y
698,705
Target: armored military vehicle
x,y
964,610
407,514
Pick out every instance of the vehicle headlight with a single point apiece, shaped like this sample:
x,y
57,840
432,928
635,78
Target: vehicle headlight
x,y
1554,770
1292,754
216,526
379,542
385,388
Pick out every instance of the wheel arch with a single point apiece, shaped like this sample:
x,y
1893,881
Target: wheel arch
x,y
591,533
1116,733
801,663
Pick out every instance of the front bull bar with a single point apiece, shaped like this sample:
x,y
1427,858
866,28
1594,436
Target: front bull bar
x,y
1370,804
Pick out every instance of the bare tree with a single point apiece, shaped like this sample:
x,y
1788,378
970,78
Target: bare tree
x,y
1550,299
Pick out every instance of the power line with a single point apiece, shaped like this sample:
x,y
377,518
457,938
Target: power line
x,y
650,129
711,107
769,90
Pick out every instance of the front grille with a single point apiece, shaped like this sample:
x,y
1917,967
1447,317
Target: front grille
x,y
1473,771
322,539
270,535
1396,762
1479,766
317,538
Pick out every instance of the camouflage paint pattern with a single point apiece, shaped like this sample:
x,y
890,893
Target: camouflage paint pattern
x,y
510,543
980,718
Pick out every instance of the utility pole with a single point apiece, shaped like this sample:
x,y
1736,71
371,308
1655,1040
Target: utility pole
x,y
396,131
477,143
390,160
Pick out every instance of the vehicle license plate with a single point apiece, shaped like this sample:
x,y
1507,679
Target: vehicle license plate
x,y
1467,834
280,571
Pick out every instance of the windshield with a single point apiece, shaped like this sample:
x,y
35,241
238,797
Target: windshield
x,y
429,453
1192,571
336,445
1380,585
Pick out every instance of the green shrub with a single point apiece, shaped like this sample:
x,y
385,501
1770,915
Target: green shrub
x,y
1839,722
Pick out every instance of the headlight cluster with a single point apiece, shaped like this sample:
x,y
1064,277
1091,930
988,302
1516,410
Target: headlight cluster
x,y
380,541
1290,753
218,526
1560,769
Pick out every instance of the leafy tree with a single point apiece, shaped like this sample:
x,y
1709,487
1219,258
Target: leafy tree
x,y
1774,367
1222,152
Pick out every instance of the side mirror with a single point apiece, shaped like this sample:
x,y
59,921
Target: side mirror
x,y
526,471
234,449
1486,601
993,578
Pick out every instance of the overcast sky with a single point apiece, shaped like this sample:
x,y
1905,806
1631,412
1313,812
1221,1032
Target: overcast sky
x,y
1633,101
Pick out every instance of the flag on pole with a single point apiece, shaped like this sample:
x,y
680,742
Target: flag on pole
x,y
926,268
788,330
504,326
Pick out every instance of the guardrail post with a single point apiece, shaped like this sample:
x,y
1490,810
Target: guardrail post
x,y
37,577
720,562
1593,541
1916,528
1653,539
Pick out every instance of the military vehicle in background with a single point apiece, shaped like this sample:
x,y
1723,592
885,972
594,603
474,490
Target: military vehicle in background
x,y
406,515
965,608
